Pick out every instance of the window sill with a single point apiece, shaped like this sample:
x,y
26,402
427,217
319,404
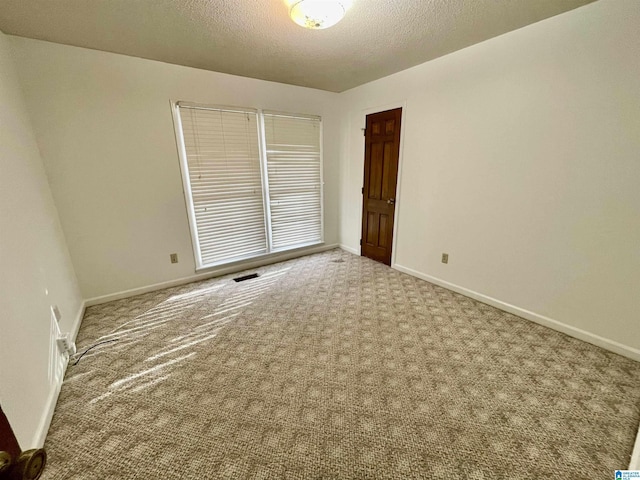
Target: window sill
x,y
266,258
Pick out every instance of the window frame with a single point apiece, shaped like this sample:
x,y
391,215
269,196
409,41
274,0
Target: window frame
x,y
262,150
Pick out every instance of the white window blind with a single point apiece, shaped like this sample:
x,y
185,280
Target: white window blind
x,y
295,182
252,181
223,161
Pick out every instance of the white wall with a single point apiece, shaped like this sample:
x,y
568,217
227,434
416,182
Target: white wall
x,y
521,160
35,267
106,135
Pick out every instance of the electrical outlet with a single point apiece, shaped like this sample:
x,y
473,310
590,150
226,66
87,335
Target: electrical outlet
x,y
65,344
174,257
445,258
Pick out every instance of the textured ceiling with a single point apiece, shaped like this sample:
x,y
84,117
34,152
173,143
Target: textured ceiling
x,y
256,38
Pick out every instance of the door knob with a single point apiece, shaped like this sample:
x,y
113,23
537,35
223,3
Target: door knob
x,y
391,201
5,462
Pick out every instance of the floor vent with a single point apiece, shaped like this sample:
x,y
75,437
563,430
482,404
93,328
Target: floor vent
x,y
246,277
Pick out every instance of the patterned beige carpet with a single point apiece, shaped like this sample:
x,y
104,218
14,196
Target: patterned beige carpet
x,y
335,366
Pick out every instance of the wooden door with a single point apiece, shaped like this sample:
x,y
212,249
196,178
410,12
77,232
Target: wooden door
x,y
8,442
381,152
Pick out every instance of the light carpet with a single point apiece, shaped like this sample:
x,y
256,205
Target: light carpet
x,y
333,366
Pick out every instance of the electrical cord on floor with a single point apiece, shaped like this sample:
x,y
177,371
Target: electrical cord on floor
x,y
93,346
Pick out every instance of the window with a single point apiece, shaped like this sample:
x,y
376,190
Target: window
x,y
293,166
253,181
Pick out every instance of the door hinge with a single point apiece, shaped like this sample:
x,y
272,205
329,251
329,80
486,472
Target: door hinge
x,y
364,131
363,190
360,242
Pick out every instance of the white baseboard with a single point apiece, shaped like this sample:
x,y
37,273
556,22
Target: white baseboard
x,y
634,464
217,272
45,422
52,400
349,249
607,344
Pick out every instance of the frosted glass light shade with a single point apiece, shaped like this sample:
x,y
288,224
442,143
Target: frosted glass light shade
x,y
317,14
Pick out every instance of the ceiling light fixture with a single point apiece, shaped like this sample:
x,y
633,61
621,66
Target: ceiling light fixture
x,y
318,14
